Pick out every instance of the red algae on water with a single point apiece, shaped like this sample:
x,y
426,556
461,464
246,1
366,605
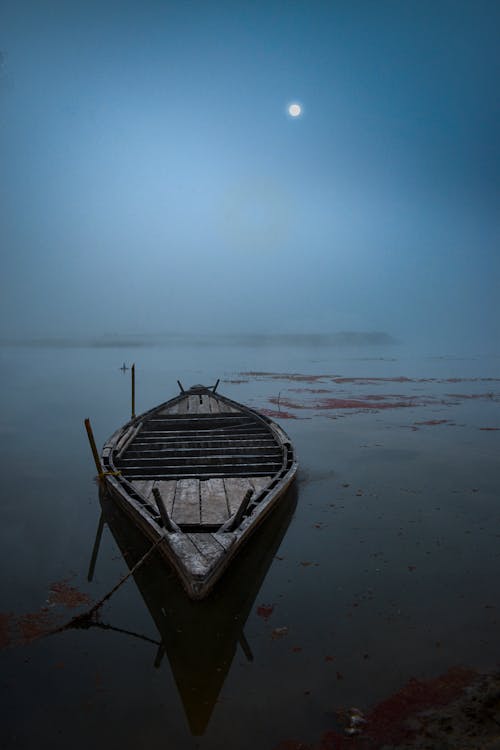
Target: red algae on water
x,y
310,390
22,629
326,404
274,414
35,624
394,720
5,629
69,596
387,722
265,611
295,377
432,422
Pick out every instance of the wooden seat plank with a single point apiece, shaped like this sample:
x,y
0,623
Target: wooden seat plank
x,y
226,408
187,502
167,490
207,546
182,406
145,488
174,409
194,406
214,506
204,407
236,489
259,483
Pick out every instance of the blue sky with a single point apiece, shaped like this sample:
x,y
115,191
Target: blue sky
x,y
152,180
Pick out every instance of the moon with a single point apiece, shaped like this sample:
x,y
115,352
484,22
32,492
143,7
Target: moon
x,y
294,110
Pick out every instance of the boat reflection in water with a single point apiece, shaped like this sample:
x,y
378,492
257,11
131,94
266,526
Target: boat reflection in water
x,y
200,638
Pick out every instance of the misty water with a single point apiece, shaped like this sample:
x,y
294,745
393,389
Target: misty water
x,y
381,565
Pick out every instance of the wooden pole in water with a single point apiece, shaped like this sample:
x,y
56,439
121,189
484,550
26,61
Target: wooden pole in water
x,y
95,551
133,391
93,446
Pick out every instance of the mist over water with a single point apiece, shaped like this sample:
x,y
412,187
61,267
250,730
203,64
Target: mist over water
x,y
152,180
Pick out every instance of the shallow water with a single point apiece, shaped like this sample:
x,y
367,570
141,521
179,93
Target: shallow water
x,y
381,567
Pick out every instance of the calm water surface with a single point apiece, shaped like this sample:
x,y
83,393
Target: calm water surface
x,y
380,566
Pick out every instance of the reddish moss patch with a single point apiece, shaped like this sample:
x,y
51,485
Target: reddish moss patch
x,y
62,593
309,390
326,404
295,377
22,629
265,611
5,629
35,624
433,421
488,396
277,414
387,722
19,630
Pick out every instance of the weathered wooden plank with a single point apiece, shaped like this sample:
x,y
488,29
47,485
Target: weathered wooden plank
x,y
188,554
187,501
204,407
226,408
259,483
208,546
167,489
214,506
236,489
164,454
226,539
144,487
172,443
168,410
201,459
182,406
193,404
190,473
214,405
208,431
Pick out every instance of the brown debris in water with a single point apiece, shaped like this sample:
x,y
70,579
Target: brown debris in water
x,y
294,377
368,402
69,596
5,627
274,414
18,630
432,422
34,625
456,709
309,390
265,611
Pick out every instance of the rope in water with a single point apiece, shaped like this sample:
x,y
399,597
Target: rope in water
x,y
84,620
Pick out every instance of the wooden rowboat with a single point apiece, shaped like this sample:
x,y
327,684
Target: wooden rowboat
x,y
198,474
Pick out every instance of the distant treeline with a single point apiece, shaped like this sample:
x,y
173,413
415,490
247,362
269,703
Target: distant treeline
x,y
343,338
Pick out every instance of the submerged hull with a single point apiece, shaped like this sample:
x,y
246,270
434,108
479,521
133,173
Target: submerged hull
x,y
198,474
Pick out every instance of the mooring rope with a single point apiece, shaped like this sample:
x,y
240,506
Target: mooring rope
x,y
84,620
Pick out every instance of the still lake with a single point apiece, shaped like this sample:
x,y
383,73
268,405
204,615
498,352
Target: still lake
x,y
381,565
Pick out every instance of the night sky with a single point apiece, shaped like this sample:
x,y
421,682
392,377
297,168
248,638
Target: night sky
x,y
152,179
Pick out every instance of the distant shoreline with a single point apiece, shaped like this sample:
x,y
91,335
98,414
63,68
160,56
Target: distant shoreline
x,y
341,339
